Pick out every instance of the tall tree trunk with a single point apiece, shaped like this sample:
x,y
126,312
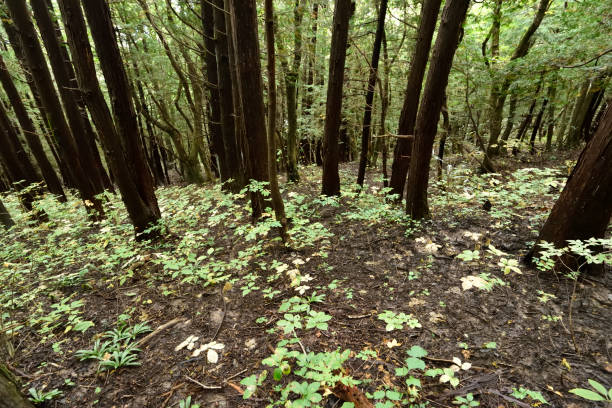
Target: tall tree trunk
x,y
133,174
342,15
7,221
366,131
215,127
584,208
277,200
429,112
291,81
250,89
90,159
420,56
231,146
42,78
31,135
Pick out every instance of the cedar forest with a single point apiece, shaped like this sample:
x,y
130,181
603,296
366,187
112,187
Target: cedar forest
x,y
305,203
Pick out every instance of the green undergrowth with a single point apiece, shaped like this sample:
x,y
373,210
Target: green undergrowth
x,y
49,269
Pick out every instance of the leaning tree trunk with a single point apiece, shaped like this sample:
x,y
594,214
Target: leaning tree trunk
x,y
250,90
10,397
403,148
37,65
333,112
429,112
366,131
583,210
130,166
31,135
69,95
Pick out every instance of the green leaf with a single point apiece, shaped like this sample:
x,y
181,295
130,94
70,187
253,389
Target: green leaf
x,y
394,395
413,381
417,351
414,363
597,386
587,394
401,371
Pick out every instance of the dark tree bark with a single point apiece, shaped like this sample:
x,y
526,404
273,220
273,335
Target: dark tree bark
x,y
7,221
18,167
584,208
291,81
37,65
536,125
10,397
215,127
442,144
231,147
550,130
403,147
27,170
509,121
250,89
83,135
429,111
277,200
366,130
31,135
333,113
132,175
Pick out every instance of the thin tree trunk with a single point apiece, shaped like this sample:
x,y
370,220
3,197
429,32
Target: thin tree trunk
x,y
584,207
366,131
132,172
445,133
429,111
509,121
536,125
277,200
552,94
498,98
403,147
342,14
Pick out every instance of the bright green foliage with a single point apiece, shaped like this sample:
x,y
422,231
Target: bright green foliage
x,y
600,393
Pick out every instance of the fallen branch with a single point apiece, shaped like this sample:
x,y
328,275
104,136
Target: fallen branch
x,y
161,328
352,394
206,387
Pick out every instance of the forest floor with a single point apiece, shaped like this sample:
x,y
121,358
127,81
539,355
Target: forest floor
x,y
365,302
